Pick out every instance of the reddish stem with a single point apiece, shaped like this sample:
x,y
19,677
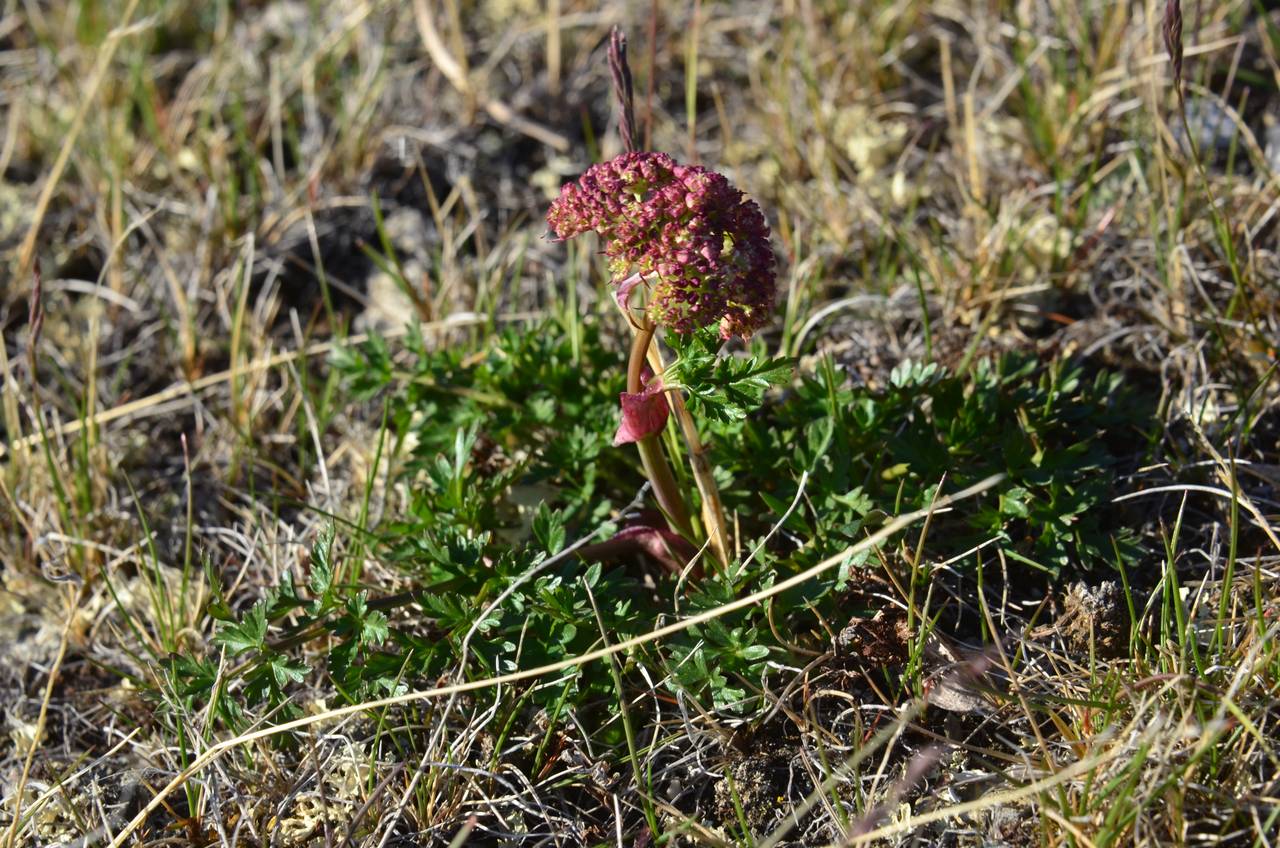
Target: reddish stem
x,y
655,464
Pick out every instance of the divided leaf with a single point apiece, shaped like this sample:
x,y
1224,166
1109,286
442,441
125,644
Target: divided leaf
x,y
723,388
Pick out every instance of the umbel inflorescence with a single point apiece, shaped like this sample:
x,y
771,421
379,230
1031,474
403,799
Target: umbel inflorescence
x,y
700,244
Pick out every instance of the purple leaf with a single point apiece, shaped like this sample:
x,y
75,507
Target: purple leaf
x,y
643,413
667,547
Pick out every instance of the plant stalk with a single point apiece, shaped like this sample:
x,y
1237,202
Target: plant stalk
x,y
655,464
712,510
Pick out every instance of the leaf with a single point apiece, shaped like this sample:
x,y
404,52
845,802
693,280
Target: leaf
x,y
851,562
367,627
548,528
723,388
192,676
543,409
644,413
321,579
1013,503
286,671
366,368
375,629
857,500
248,635
910,375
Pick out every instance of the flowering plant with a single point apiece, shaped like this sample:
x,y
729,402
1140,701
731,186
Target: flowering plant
x,y
699,250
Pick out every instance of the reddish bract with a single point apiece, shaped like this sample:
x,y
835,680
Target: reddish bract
x,y
644,413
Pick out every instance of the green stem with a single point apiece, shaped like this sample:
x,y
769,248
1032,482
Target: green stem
x,y
655,464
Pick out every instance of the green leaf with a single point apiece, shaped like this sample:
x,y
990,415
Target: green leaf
x,y
548,528
285,670
723,388
375,629
851,562
1013,503
366,368
909,374
543,409
250,634
857,500
321,579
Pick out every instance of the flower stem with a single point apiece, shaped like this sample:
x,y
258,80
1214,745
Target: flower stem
x,y
655,464
712,510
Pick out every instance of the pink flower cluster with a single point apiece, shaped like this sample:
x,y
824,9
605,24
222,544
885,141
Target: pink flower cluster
x,y
701,244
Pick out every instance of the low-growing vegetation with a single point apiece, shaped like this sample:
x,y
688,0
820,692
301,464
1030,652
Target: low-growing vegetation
x,y
945,338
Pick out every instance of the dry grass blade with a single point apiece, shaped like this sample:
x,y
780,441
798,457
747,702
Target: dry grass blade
x,y
103,62
73,600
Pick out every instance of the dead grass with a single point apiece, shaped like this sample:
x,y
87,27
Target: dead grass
x,y
198,185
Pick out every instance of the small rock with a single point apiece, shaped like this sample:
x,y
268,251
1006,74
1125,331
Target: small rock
x,y
1011,827
878,641
765,786
1097,612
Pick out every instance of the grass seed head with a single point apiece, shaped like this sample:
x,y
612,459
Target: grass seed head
x,y
1172,29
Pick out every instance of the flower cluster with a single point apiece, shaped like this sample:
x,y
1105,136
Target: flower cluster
x,y
701,245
